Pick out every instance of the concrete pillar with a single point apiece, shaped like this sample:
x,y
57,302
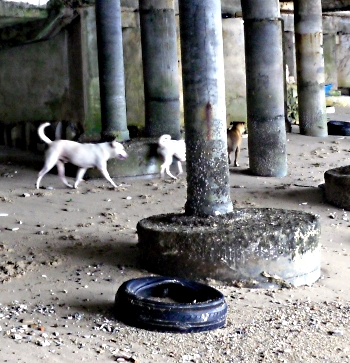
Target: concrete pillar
x,y
160,67
289,52
265,88
330,59
208,189
111,70
310,67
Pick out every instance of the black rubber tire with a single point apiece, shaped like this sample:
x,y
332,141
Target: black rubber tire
x,y
197,307
341,128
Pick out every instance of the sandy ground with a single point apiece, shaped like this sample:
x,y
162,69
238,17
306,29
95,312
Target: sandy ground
x,y
64,253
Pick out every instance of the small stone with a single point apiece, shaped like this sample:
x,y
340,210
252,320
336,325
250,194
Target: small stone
x,y
43,343
336,333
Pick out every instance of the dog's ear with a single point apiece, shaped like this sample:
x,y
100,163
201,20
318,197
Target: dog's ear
x,y
113,144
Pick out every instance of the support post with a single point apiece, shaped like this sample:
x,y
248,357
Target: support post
x,y
160,68
330,59
111,70
310,67
265,87
208,188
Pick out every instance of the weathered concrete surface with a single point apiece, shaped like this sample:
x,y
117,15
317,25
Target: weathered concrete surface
x,y
15,13
33,81
160,68
235,80
111,70
245,246
310,68
143,160
337,186
265,88
204,108
27,32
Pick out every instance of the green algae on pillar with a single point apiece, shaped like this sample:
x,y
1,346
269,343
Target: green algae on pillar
x,y
265,88
208,188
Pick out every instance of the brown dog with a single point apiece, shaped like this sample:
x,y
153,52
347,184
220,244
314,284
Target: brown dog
x,y
234,140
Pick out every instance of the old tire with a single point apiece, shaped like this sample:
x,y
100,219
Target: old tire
x,y
196,307
341,128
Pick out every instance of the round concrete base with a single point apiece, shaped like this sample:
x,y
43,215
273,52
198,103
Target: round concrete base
x,y
337,186
250,246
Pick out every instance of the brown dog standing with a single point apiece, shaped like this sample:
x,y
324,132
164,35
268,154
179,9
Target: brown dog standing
x,y
234,140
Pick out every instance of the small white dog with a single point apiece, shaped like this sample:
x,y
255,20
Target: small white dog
x,y
82,155
168,149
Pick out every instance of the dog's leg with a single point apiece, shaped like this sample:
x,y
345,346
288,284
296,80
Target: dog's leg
x,y
104,171
236,156
179,166
61,173
167,170
162,168
40,176
79,178
166,167
46,168
228,155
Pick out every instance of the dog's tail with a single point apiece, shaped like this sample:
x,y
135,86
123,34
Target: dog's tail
x,y
42,134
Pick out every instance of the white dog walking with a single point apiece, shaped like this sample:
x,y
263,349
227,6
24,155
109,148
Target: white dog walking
x,y
82,155
168,149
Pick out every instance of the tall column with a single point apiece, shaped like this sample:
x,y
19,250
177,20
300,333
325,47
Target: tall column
x,y
111,70
310,67
265,87
289,51
160,67
330,59
208,189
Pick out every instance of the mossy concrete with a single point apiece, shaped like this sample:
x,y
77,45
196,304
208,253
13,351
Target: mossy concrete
x,y
143,160
17,13
255,247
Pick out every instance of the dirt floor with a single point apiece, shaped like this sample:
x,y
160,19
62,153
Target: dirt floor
x,y
64,254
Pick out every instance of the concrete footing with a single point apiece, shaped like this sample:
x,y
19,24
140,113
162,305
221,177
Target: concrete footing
x,y
143,160
251,246
337,183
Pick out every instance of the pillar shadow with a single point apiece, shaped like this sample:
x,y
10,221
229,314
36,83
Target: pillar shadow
x,y
119,254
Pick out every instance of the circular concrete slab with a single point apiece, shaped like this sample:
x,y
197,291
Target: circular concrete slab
x,y
337,186
255,247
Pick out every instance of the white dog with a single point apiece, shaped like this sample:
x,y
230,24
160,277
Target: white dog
x,y
82,155
168,149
